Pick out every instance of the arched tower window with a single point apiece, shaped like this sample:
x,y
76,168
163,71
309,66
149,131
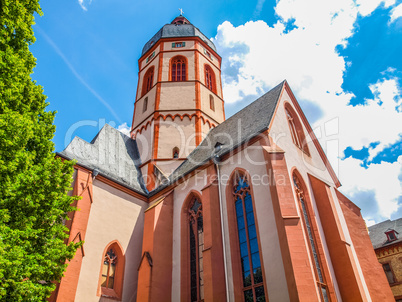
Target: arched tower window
x,y
178,69
148,80
176,152
306,218
112,271
211,102
252,274
209,78
296,129
196,232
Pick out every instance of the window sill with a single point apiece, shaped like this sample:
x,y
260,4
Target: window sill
x,y
109,293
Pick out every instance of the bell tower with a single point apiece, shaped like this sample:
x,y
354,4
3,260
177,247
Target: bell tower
x,y
179,98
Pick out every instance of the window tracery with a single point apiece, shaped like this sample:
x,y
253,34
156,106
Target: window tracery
x,y
296,129
109,269
178,69
252,274
196,250
148,80
209,78
320,278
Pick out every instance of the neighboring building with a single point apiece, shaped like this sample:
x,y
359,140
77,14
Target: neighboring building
x,y
196,207
386,237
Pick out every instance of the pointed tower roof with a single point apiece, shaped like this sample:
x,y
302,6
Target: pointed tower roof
x,y
180,27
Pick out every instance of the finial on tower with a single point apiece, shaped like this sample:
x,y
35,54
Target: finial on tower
x,y
181,11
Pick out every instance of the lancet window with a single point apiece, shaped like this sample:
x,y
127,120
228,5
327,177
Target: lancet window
x,y
209,78
252,275
109,269
320,278
178,69
296,129
196,249
148,80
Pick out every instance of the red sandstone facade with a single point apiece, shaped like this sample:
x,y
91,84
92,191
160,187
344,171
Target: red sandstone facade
x,y
259,220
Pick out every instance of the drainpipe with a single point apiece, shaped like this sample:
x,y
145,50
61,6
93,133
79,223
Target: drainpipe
x,y
216,162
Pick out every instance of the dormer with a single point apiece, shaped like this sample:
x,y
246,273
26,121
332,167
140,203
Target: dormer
x,y
391,235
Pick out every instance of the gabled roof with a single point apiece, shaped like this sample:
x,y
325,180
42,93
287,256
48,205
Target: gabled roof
x,y
116,155
179,31
378,236
112,153
233,132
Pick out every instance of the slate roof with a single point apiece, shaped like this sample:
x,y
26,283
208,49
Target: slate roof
x,y
233,132
377,232
116,155
174,30
112,153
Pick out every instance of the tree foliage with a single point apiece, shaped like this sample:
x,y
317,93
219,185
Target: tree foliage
x,y
33,183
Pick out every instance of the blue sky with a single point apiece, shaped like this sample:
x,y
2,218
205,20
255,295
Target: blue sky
x,y
342,60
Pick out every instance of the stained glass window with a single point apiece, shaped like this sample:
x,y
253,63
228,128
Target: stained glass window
x,y
252,275
196,249
109,269
313,246
296,129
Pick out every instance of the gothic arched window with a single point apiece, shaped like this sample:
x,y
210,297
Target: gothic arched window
x,y
296,129
109,269
176,152
148,80
112,271
319,274
209,78
196,249
252,274
178,69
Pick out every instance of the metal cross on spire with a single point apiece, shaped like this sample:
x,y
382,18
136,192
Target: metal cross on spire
x,y
181,11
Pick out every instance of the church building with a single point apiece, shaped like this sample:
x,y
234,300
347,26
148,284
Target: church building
x,y
196,207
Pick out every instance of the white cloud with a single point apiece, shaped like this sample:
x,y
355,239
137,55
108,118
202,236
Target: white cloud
x,y
396,12
366,7
84,4
124,128
257,56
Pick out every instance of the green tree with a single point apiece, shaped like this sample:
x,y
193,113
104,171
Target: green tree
x,y
33,183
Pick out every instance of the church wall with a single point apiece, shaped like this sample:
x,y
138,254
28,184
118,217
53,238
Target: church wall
x,y
114,216
177,95
296,158
314,165
180,193
168,167
205,129
168,45
252,160
214,64
145,143
141,74
140,114
176,133
144,62
216,114
214,60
